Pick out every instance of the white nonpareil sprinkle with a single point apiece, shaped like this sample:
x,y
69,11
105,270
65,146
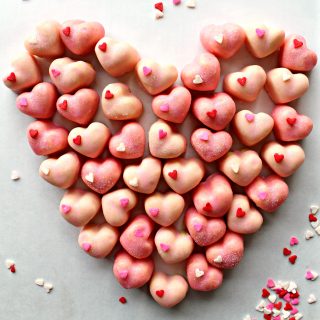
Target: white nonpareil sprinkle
x,y
121,147
286,76
197,79
312,298
309,234
272,298
261,305
314,209
198,273
134,182
191,3
90,177
39,282
48,286
15,175
9,263
218,259
218,38
158,14
235,167
45,170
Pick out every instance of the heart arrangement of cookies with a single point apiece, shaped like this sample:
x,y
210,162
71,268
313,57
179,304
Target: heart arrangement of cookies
x,y
212,237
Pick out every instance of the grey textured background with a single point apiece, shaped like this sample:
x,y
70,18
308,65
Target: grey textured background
x,y
43,245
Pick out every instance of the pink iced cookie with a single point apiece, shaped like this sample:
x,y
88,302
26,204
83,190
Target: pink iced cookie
x,y
80,37
201,276
290,125
118,103
213,197
79,107
164,143
202,74
46,138
129,142
40,102
284,160
245,84
116,57
296,56
284,86
211,146
45,41
173,246
224,41
117,206
251,128
215,112
227,253
23,73
101,175
241,166
98,240
62,172
144,177
164,208
167,290
182,175
137,238
242,218
204,231
155,77
131,272
262,40
90,141
79,206
268,193
174,106
69,75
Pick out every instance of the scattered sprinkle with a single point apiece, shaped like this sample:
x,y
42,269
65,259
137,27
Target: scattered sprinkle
x,y
286,76
292,259
63,105
270,283
242,81
265,293
158,14
103,47
139,233
164,247
90,177
146,71
204,136
123,274
15,175
294,241
297,43
77,140
165,107
317,229
311,275
197,79
291,121
218,38
309,234
134,182
12,77
33,133
45,171
160,293
235,167
55,73
240,213
191,4
278,157
121,147
176,2
48,287
212,114
123,300
173,174
65,208
23,102
207,207
260,32
154,212
286,252
249,117
272,298
162,134
124,202
218,259
86,246
159,6
198,227
66,31
39,282
314,209
312,298
261,305
198,273
312,218
108,95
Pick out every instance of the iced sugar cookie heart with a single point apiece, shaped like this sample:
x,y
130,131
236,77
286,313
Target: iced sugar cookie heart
x,y
268,193
69,75
284,86
46,138
118,103
116,206
289,125
167,290
23,73
90,141
213,197
227,253
45,42
129,142
263,40
189,173
173,246
204,231
61,172
165,144
116,57
79,206
80,37
164,208
136,239
211,146
202,74
201,276
79,107
296,56
215,112
144,177
155,77
174,106
131,272
241,166
40,102
224,40
251,128
98,240
242,218
246,84
284,160
101,175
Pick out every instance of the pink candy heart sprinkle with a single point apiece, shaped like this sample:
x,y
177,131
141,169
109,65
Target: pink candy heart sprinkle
x,y
162,134
164,107
270,283
197,227
262,195
294,311
65,208
123,274
287,297
249,117
139,233
295,301
124,202
260,32
277,318
294,241
164,247
55,72
176,2
146,70
309,275
204,136
154,211
86,246
23,102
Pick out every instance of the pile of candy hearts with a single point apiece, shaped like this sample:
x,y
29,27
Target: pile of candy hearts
x,y
215,225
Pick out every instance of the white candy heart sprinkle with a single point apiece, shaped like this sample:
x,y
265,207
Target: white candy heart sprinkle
x,y
235,167
121,147
218,259
9,263
309,234
39,282
15,175
286,76
218,38
197,79
312,298
191,4
298,316
45,171
317,230
315,224
198,273
285,314
272,298
314,209
275,312
292,286
247,317
158,14
48,286
261,305
89,177
134,182
267,311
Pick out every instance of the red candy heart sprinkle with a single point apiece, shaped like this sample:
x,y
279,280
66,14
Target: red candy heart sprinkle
x,y
77,140
278,305
160,293
286,251
11,77
240,213
291,121
267,316
13,268
33,133
63,105
108,95
297,43
207,207
103,47
122,300
66,31
288,306
159,6
212,114
265,293
312,218
242,80
278,157
173,174
293,259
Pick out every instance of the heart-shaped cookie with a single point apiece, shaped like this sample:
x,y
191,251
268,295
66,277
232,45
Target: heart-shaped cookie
x,y
90,141
211,146
202,74
116,206
164,208
215,112
118,103
174,106
116,57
